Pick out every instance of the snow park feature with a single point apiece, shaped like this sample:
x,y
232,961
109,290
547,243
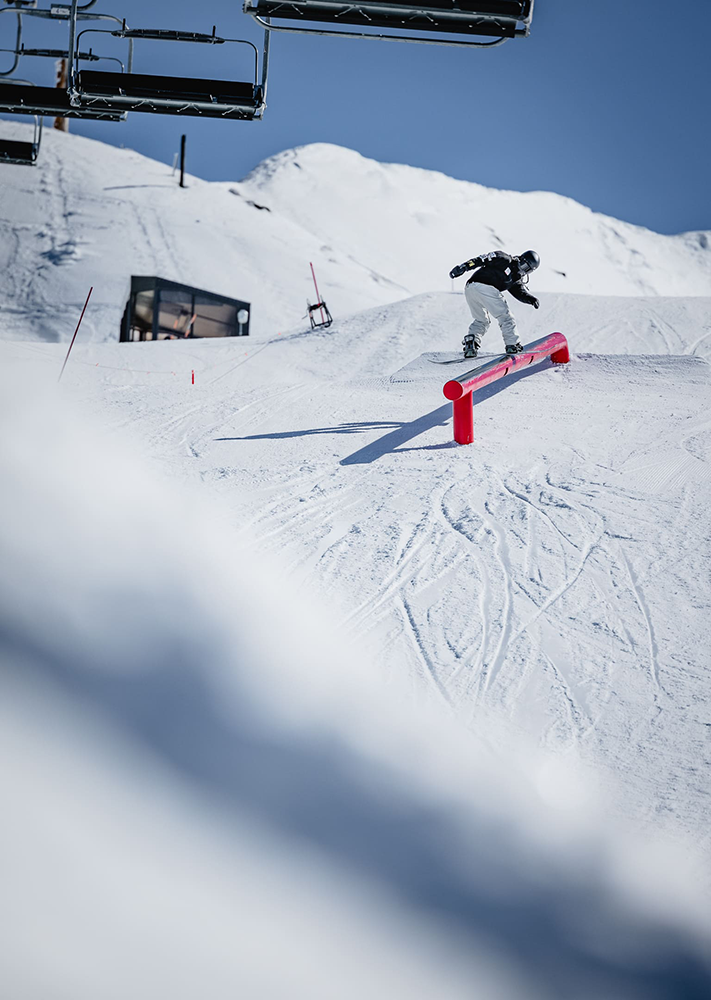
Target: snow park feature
x,y
460,389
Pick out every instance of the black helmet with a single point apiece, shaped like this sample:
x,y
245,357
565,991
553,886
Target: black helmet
x,y
529,261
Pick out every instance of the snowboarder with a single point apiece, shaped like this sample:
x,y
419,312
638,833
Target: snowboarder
x,y
494,274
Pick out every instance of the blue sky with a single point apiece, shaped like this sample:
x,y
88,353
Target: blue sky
x,y
606,102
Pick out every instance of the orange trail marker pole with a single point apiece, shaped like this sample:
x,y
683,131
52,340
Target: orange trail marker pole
x,y
75,333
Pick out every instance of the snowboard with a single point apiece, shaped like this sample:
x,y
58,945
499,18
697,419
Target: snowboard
x,y
460,359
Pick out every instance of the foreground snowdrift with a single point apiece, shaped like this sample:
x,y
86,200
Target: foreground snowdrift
x,y
92,215
201,788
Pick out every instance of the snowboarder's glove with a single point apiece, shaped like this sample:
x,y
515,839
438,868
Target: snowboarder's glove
x,y
459,269
535,303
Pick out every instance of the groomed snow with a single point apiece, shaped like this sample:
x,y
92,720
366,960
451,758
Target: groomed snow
x,y
302,698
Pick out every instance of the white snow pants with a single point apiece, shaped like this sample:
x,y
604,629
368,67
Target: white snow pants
x,y
485,301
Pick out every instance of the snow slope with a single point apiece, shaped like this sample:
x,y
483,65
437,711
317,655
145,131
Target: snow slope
x,y
91,214
412,225
205,782
554,575
299,697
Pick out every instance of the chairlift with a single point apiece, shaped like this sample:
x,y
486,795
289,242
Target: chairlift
x,y
98,90
21,152
498,20
22,97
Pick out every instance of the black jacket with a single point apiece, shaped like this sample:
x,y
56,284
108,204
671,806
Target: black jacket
x,y
502,271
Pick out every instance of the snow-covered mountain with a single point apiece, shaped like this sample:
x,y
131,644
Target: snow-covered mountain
x,y
92,214
410,225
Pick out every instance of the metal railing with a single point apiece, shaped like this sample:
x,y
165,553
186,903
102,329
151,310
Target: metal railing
x,y
460,389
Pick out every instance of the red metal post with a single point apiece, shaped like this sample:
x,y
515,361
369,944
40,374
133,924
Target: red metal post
x,y
463,413
561,357
460,390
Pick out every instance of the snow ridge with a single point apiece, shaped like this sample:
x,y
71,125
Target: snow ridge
x,y
92,214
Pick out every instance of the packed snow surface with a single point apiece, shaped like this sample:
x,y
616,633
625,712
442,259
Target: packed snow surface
x,y
303,699
91,214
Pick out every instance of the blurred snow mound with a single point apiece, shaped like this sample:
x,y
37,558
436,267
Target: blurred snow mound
x,y
201,786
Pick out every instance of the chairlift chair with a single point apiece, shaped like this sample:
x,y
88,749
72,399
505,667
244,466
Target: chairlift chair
x,y
95,90
54,102
21,152
497,19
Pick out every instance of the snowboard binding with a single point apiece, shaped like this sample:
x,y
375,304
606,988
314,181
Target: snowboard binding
x,y
471,348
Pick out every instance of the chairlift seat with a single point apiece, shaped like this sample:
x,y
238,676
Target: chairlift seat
x,y
24,99
14,151
493,18
167,94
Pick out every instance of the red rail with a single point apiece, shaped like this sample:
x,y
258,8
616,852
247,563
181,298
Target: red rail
x,y
460,389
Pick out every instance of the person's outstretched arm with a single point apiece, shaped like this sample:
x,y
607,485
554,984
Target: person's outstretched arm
x,y
496,258
468,265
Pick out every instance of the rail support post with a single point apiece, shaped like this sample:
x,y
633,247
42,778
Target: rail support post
x,y
561,357
463,414
460,389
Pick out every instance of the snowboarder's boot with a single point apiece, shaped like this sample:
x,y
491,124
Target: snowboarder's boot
x,y
471,348
514,348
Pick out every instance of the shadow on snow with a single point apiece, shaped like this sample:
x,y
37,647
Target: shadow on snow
x,y
400,433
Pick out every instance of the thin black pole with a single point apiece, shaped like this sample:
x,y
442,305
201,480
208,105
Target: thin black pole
x,y
182,161
75,333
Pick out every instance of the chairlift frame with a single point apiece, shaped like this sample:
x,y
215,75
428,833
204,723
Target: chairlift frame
x,y
20,152
128,91
499,19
